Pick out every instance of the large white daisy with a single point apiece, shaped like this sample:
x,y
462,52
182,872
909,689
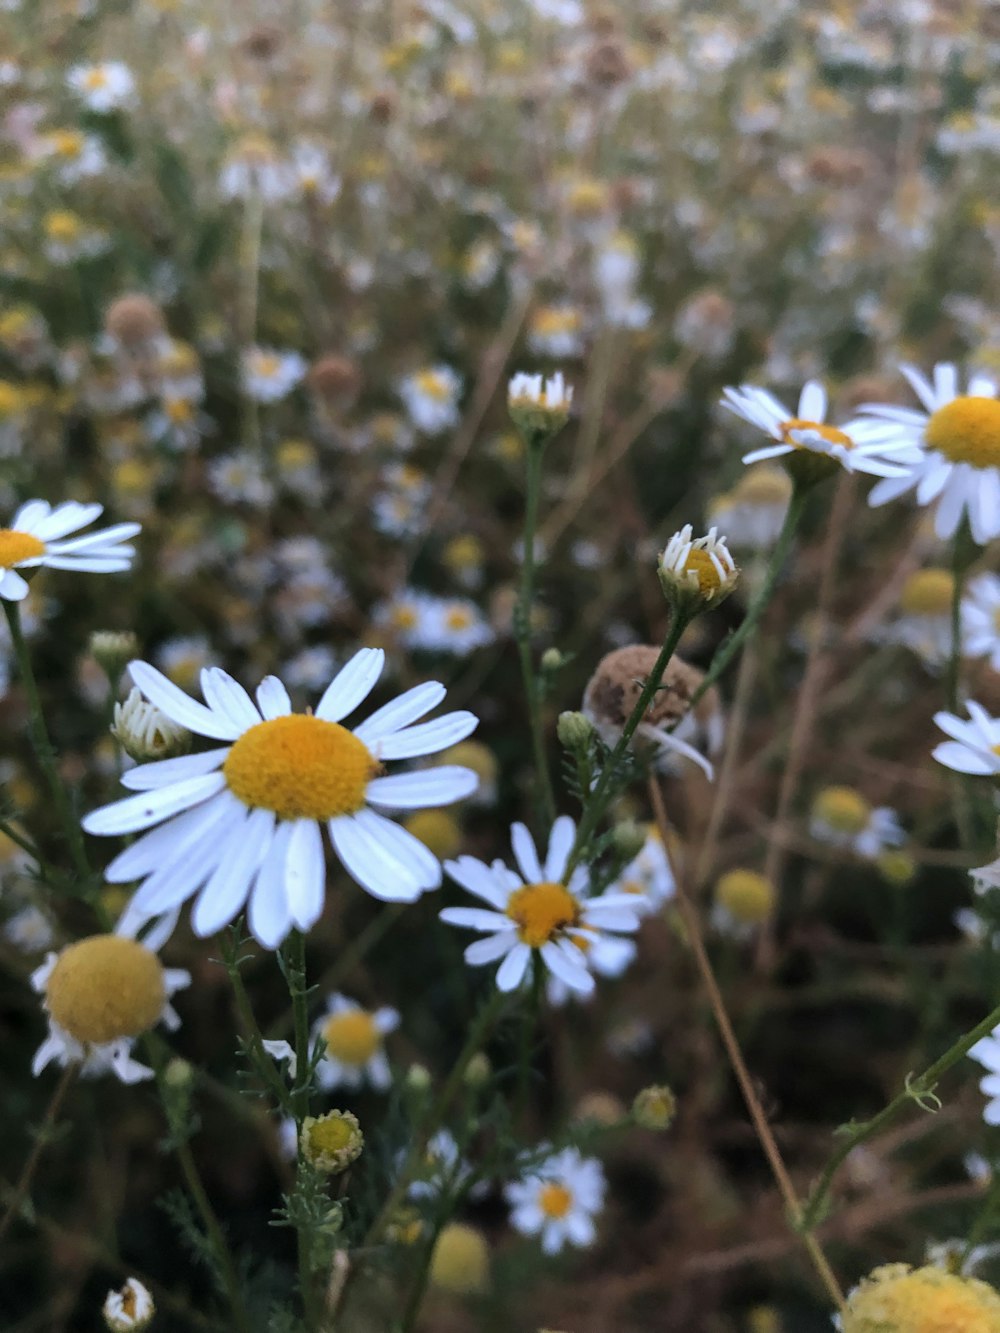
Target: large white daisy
x,y
861,445
535,911
958,460
242,822
37,536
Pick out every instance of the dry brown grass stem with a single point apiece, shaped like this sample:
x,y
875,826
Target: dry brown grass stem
x,y
725,784
696,943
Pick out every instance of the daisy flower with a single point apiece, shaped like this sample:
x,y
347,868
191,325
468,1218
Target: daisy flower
x,y
441,1168
843,818
130,1308
242,821
100,994
38,536
981,619
269,375
102,87
534,912
431,398
859,446
558,1200
957,439
987,1052
975,746
354,1051
648,878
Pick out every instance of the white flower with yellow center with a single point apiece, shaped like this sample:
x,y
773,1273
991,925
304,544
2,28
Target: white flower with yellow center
x,y
354,1039
537,404
102,87
38,536
699,570
431,398
534,912
862,445
558,1200
269,375
974,746
130,1308
958,441
648,878
100,994
843,817
242,822
604,955
981,619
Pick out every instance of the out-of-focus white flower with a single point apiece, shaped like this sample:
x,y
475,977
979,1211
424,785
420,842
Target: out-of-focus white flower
x,y
39,537
269,375
987,1053
102,87
843,817
355,1052
431,398
981,618
558,1199
131,1308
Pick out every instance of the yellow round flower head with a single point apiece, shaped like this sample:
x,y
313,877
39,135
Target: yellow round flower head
x,y
438,830
331,1142
104,988
843,809
899,1299
928,592
460,1262
747,896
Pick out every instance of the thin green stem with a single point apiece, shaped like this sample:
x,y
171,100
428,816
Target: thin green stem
x,y
216,1237
728,650
265,1066
529,1022
532,689
603,788
294,954
43,746
960,556
43,1136
988,1214
915,1089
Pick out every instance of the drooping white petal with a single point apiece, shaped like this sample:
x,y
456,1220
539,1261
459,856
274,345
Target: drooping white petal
x,y
351,685
227,890
163,844
491,948
367,861
270,917
421,863
305,873
400,712
511,971
180,707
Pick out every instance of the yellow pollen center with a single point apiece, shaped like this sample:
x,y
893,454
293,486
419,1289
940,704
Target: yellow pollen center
x,y
300,767
699,562
843,808
829,433
128,1302
351,1036
104,988
178,411
746,896
330,1134
17,546
404,617
459,618
433,385
267,367
967,430
554,1199
927,593
95,79
541,911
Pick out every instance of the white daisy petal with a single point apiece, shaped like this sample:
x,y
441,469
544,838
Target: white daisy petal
x,y
418,861
351,685
305,874
136,813
571,973
269,917
161,845
560,845
272,698
180,707
227,890
12,587
146,777
526,854
812,401
475,918
489,949
427,737
226,696
366,860
430,787
401,712
511,971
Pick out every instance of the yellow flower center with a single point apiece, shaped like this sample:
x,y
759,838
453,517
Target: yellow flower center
x,y
746,896
459,617
699,562
967,430
178,411
928,592
266,366
404,617
541,911
104,988
764,486
95,79
437,830
300,767
17,546
62,226
330,1134
351,1036
554,1199
67,143
129,1301
829,433
433,385
551,320
843,808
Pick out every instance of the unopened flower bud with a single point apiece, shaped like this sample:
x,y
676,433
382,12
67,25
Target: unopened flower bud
x,y
130,1308
477,1071
539,408
552,660
654,1107
574,730
178,1073
113,650
418,1078
145,733
331,1142
460,1261
629,839
696,573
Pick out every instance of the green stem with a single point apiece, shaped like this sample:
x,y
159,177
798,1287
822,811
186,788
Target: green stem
x,y
983,1224
728,650
601,794
43,1136
216,1238
265,1065
295,974
43,746
915,1089
529,1021
525,603
960,557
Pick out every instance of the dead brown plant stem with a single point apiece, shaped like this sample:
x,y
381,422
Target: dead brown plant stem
x,y
817,665
696,943
43,1136
724,786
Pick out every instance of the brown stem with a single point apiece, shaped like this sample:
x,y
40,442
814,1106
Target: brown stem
x,y
42,1137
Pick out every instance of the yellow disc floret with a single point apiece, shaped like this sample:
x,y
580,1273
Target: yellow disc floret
x,y
554,1199
541,911
460,1260
928,592
898,1299
300,767
828,433
701,564
438,830
764,486
967,430
747,896
351,1036
843,809
17,546
104,988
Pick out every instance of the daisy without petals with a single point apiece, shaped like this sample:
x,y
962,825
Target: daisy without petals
x,y
958,439
975,746
241,822
39,535
558,1200
534,911
862,445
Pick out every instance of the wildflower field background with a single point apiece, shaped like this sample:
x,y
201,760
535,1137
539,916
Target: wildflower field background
x,y
402,340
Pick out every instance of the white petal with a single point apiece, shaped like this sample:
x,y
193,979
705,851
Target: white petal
x,y
12,587
812,401
33,513
163,844
180,707
69,517
770,451
418,859
228,697
305,874
511,971
571,973
430,787
959,757
525,854
135,813
367,860
475,918
184,873
163,772
427,737
269,916
560,845
226,892
351,685
478,879
272,698
491,948
400,712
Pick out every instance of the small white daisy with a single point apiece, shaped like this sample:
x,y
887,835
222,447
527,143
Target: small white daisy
x,y
981,619
431,398
37,537
270,375
130,1308
843,818
648,876
242,822
700,568
987,1052
558,1200
859,446
441,1168
534,912
102,87
957,439
354,1052
100,994
975,746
